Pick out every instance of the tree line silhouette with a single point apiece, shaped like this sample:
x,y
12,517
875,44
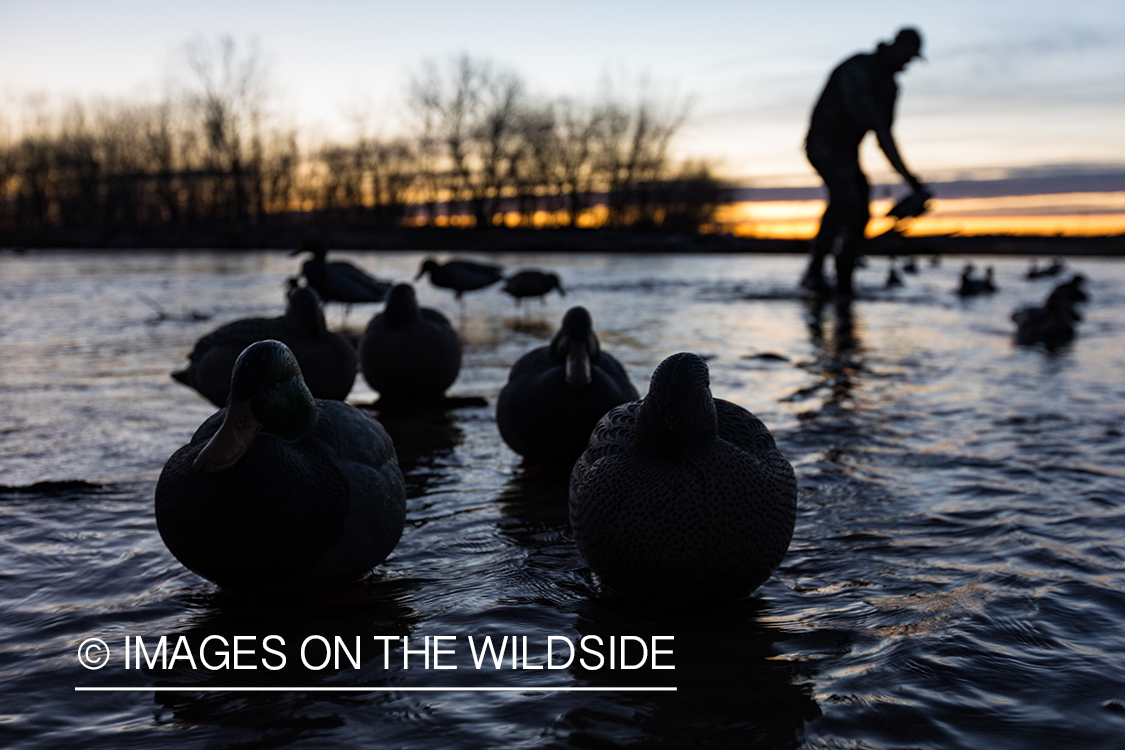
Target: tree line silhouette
x,y
482,151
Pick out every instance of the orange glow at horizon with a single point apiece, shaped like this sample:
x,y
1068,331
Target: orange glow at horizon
x,y
1073,214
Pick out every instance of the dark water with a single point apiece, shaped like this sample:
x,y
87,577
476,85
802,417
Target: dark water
x,y
956,579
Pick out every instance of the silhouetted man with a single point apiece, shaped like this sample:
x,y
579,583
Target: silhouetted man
x,y
859,96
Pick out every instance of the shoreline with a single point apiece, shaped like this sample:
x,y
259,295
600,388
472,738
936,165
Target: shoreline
x,y
497,240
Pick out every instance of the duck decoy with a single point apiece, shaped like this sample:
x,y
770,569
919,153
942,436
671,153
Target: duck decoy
x,y
279,492
409,354
532,283
1035,272
460,275
556,394
971,287
681,496
327,359
339,281
893,277
910,265
1053,323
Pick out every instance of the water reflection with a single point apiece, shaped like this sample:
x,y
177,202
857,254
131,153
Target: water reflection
x,y
733,690
422,437
837,353
375,607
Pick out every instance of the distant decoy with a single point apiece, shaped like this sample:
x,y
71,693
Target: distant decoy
x,y
409,354
532,283
460,275
1052,324
339,281
971,287
1035,272
893,277
681,496
556,394
278,492
327,359
910,265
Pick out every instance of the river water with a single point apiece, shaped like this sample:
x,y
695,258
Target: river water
x,y
956,578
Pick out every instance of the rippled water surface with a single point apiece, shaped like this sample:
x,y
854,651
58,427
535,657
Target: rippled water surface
x,y
956,578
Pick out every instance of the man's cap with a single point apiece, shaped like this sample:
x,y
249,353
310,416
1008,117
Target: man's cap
x,y
910,39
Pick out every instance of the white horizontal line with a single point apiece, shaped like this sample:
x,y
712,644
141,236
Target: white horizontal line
x,y
322,689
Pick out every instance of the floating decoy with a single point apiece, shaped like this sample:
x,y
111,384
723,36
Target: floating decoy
x,y
681,496
339,281
1035,272
556,394
1069,295
460,275
409,354
911,265
893,278
278,492
1052,324
971,287
327,360
532,283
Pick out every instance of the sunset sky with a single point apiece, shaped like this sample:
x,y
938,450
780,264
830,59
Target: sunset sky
x,y
1006,86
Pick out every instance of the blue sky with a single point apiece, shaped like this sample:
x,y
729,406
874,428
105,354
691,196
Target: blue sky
x,y
1005,85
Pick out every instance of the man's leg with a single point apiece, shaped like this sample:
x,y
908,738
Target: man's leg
x,y
854,206
831,223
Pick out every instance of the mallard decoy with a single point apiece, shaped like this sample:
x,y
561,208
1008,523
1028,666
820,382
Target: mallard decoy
x,y
681,496
339,281
278,492
460,275
532,283
409,354
556,394
1052,324
327,359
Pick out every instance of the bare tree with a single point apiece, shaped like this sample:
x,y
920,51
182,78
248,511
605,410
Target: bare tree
x,y
227,92
469,112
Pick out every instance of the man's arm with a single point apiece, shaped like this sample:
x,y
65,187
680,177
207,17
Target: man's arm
x,y
887,143
859,98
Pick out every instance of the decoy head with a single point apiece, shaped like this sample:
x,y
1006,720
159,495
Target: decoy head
x,y
577,345
267,392
303,315
428,265
402,306
556,283
678,412
314,246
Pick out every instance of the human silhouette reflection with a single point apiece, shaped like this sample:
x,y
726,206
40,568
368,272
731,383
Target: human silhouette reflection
x,y
837,352
859,97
